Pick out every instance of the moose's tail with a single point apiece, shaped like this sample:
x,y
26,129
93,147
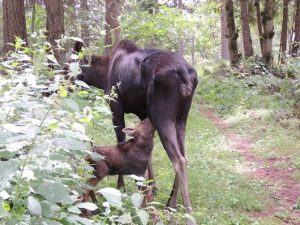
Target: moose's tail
x,y
186,88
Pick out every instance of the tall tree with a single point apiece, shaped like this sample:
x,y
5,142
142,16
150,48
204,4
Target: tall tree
x,y
247,41
14,23
55,26
296,41
180,39
71,23
232,34
112,25
284,30
85,31
224,41
259,24
268,30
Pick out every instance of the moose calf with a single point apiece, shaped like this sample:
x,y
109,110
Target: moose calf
x,y
130,157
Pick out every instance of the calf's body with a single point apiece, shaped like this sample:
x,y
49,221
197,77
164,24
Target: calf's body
x,y
130,157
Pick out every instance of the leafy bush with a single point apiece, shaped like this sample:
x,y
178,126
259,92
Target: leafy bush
x,y
43,142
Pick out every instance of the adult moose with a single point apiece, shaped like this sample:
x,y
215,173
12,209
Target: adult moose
x,y
160,85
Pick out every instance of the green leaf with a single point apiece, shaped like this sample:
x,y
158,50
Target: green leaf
x,y
74,209
87,205
73,219
124,219
50,209
52,59
55,192
34,206
81,83
137,200
144,216
63,92
75,69
76,39
7,168
3,212
112,195
70,144
13,147
190,218
70,103
96,157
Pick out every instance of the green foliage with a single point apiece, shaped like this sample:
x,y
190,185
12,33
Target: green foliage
x,y
43,141
164,28
244,91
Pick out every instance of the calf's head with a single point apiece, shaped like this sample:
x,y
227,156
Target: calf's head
x,y
142,133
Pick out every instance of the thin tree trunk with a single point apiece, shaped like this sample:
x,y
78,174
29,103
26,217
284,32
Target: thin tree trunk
x,y
180,39
224,41
259,24
232,34
85,32
112,25
71,13
55,26
296,41
268,30
247,41
14,23
284,31
193,49
33,17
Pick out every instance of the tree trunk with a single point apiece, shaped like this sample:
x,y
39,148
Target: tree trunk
x,y
33,17
296,41
224,41
112,26
72,22
284,31
14,23
247,41
259,24
180,39
268,30
85,32
55,26
232,34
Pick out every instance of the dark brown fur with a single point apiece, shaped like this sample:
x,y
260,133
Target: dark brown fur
x,y
130,157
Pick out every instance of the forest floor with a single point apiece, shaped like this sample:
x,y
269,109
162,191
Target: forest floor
x,y
283,191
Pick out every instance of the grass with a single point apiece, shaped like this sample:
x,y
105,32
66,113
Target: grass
x,y
220,194
220,190
264,117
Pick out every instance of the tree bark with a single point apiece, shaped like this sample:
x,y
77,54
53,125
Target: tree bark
x,y
55,26
33,17
284,30
247,41
85,32
180,39
232,34
268,30
71,13
224,41
259,24
296,41
14,23
112,25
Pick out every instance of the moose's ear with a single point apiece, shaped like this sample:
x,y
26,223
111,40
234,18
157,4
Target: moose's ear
x,y
78,46
129,131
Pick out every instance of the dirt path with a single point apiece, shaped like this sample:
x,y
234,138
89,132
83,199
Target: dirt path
x,y
283,190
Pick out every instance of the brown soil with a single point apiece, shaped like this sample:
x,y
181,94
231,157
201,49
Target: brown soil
x,y
283,191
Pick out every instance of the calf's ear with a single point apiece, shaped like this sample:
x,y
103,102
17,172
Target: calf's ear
x,y
129,131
